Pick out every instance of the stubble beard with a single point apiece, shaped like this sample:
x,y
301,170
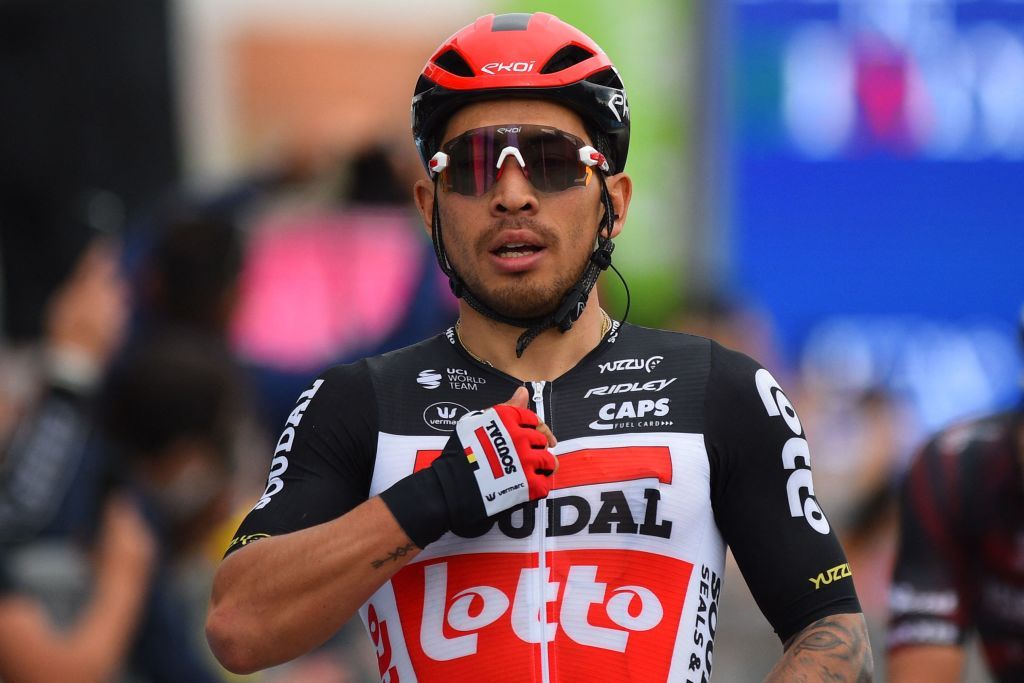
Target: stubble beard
x,y
527,295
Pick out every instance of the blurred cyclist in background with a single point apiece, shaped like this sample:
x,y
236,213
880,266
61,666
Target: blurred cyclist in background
x,y
478,545
960,568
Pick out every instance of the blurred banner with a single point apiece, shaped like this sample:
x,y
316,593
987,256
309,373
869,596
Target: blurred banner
x,y
872,171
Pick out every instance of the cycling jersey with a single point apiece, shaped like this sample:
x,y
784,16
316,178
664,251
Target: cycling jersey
x,y
960,566
669,447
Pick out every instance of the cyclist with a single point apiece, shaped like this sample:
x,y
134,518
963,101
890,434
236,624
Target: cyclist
x,y
411,487
960,566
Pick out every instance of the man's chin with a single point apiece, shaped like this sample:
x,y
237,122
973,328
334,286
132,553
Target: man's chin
x,y
517,303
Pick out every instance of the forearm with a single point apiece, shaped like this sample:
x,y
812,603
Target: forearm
x,y
835,648
98,643
32,650
282,596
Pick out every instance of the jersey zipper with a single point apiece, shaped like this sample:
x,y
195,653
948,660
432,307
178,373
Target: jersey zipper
x,y
540,528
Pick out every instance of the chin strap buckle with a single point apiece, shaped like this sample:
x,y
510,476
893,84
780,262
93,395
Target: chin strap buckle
x,y
602,256
571,308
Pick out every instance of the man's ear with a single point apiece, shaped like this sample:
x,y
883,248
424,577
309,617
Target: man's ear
x,y
423,193
620,190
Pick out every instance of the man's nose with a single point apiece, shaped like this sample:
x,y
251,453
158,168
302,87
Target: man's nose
x,y
512,192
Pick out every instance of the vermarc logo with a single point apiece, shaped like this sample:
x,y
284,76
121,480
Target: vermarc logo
x,y
443,416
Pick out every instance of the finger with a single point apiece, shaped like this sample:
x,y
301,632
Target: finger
x,y
520,398
524,417
536,439
547,465
548,434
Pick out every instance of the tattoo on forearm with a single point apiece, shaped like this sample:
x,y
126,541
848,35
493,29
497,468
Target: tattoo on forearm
x,y
835,648
393,556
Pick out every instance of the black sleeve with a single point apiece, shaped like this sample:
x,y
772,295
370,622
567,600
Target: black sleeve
x,y
930,600
323,460
763,498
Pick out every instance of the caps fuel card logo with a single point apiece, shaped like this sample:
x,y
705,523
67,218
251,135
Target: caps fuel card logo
x,y
630,414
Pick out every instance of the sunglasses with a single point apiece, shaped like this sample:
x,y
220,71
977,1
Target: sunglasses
x,y
551,159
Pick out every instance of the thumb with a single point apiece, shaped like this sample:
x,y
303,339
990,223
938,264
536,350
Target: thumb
x,y
520,399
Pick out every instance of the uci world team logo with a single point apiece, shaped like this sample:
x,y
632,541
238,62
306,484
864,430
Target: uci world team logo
x,y
443,416
429,379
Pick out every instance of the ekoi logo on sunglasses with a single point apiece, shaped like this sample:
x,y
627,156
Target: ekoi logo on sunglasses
x,y
495,68
609,610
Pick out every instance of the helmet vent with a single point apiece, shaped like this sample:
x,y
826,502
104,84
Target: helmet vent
x,y
570,55
608,78
452,62
511,22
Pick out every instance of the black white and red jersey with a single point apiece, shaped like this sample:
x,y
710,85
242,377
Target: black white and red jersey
x,y
960,566
669,447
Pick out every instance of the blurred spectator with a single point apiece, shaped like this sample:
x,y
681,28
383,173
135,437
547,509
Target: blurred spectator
x,y
42,462
56,477
189,278
170,415
960,568
730,321
84,325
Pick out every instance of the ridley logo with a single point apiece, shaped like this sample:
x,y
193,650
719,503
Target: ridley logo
x,y
647,364
443,416
629,387
495,68
604,613
429,379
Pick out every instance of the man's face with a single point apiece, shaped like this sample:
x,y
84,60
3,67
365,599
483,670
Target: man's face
x,y
517,248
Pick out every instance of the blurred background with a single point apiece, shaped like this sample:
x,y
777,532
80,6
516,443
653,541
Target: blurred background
x,y
832,186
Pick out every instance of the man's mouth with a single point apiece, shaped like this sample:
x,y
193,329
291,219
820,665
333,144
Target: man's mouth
x,y
515,250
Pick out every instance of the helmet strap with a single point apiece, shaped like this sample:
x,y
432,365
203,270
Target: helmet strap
x,y
573,301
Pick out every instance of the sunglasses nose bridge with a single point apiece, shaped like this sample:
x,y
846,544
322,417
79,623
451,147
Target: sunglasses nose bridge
x,y
516,193
506,152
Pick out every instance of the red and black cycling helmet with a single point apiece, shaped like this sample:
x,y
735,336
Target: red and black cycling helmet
x,y
523,55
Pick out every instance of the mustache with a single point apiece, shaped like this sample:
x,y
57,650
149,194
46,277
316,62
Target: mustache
x,y
546,234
